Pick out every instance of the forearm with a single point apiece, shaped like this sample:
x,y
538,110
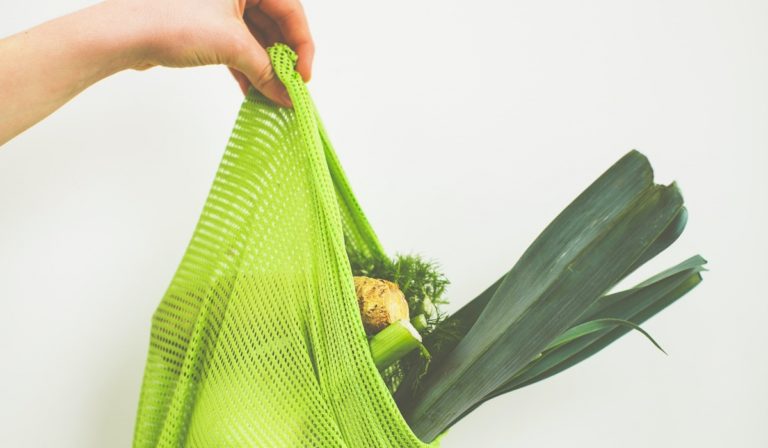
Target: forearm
x,y
46,66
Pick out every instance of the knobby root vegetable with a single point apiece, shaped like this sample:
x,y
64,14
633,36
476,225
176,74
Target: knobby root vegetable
x,y
381,303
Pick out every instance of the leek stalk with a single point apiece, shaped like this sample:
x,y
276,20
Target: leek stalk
x,y
393,342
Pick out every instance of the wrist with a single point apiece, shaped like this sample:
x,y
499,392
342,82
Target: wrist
x,y
107,38
116,37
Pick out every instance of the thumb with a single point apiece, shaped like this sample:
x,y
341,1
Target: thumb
x,y
253,62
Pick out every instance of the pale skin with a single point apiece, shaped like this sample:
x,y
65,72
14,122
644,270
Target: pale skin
x,y
46,66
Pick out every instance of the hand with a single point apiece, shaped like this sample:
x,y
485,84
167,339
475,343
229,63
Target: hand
x,y
55,61
184,33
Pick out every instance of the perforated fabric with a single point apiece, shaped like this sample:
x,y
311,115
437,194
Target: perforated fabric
x,y
258,340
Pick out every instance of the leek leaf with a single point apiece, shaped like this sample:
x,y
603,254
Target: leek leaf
x,y
587,328
596,241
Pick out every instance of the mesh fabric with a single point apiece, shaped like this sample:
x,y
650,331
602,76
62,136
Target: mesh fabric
x,y
258,340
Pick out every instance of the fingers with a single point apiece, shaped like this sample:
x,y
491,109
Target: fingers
x,y
260,23
290,18
250,59
261,38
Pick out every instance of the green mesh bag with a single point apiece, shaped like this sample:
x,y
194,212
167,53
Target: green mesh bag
x,y
258,340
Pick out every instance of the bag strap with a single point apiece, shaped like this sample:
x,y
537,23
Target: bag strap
x,y
358,232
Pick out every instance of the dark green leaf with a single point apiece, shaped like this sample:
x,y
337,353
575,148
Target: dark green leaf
x,y
637,304
585,251
593,326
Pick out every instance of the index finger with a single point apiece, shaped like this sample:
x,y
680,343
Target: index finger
x,y
290,18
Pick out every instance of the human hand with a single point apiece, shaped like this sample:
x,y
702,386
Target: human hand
x,y
185,33
55,61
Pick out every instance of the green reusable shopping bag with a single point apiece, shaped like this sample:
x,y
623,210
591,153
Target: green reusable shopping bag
x,y
258,340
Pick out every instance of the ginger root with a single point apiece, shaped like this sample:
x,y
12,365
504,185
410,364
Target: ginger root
x,y
381,303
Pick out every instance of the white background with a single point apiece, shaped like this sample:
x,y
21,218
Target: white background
x,y
465,127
